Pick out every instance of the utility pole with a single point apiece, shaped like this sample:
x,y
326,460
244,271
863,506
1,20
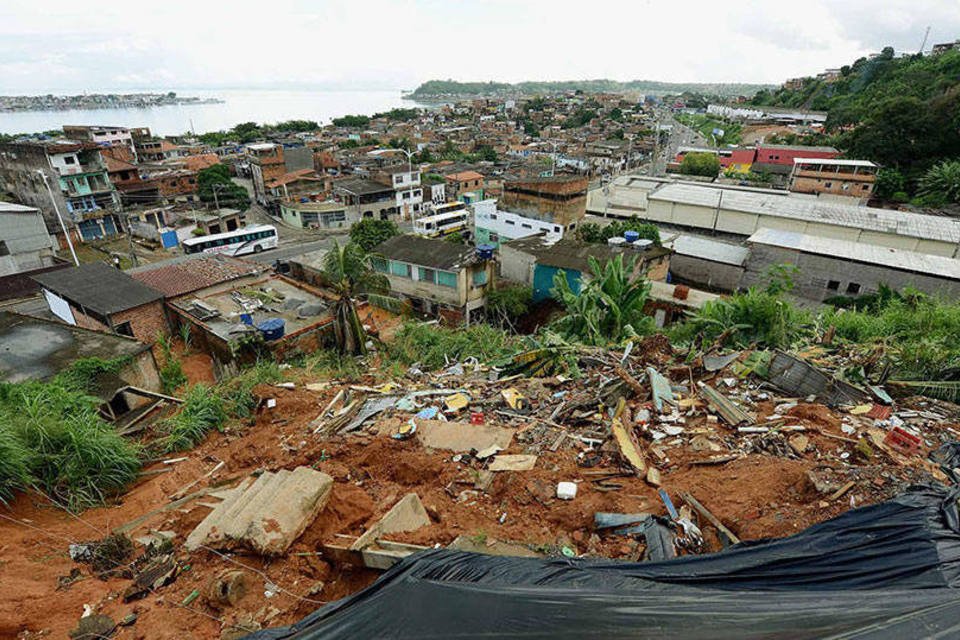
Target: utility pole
x,y
924,43
216,203
56,208
126,218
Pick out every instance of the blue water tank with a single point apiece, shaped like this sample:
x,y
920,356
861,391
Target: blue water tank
x,y
168,238
246,318
485,251
272,328
631,236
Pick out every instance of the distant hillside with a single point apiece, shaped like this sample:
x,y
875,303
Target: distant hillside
x,y
900,112
433,89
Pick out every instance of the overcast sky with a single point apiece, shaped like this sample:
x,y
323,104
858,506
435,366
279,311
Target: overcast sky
x,y
70,46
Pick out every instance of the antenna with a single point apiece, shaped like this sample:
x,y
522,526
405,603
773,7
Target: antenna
x,y
924,43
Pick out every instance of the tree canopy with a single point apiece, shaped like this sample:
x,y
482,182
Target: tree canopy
x,y
369,232
700,164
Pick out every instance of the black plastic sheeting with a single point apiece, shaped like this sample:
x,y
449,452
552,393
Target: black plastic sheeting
x,y
890,570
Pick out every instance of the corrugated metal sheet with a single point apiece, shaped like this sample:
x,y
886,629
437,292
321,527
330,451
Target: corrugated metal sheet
x,y
872,254
707,249
870,219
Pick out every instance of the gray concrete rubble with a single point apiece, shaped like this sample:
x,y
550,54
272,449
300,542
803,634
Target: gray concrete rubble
x,y
265,515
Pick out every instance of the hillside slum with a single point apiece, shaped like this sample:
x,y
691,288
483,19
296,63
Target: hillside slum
x,y
640,454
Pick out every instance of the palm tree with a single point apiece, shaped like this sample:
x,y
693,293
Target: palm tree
x,y
349,271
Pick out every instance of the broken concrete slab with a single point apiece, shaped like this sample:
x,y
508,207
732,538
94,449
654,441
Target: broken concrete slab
x,y
267,515
513,462
491,547
462,436
407,515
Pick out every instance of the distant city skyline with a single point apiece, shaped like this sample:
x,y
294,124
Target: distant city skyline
x,y
61,47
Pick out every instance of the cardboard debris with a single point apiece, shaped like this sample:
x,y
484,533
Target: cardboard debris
x,y
462,436
267,514
513,462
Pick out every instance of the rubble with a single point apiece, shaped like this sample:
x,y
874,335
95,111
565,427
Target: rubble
x,y
265,515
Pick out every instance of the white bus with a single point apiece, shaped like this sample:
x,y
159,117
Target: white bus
x,y
252,239
448,218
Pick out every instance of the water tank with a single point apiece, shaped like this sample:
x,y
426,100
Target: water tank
x,y
640,245
631,236
246,318
272,328
616,241
485,251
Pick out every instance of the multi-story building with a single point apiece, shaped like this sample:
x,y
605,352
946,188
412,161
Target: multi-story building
x,y
103,136
406,185
25,244
464,182
560,199
365,198
844,179
440,278
266,165
493,226
77,180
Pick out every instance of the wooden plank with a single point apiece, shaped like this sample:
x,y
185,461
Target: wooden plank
x,y
712,519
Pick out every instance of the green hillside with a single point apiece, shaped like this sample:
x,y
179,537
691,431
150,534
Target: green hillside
x,y
899,112
433,89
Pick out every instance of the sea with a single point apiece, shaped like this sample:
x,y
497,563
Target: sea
x,y
260,106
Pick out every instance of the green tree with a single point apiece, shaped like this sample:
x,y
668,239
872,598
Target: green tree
x,y
595,233
229,194
609,308
351,121
889,182
508,304
348,270
369,232
700,164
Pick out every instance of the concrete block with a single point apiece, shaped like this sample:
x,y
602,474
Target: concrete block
x,y
267,515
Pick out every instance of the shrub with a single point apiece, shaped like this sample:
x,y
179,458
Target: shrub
x,y
429,344
202,411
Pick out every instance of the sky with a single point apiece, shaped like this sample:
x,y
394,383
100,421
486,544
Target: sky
x,y
64,46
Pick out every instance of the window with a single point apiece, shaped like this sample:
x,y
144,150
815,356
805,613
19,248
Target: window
x,y
526,226
493,216
556,229
447,279
828,184
124,329
69,160
833,285
428,275
511,222
479,277
4,250
853,288
401,269
379,264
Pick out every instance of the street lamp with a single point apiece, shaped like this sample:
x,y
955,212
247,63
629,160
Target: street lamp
x,y
56,208
409,155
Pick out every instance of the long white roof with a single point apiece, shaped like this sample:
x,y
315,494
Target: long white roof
x,y
915,225
900,259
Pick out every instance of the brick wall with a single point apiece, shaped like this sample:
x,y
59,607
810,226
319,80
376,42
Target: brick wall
x,y
146,321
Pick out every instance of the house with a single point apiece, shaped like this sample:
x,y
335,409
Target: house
x,y
296,185
405,182
266,164
559,199
536,260
777,159
98,296
186,274
220,221
26,249
839,180
38,349
64,175
103,136
464,182
155,150
315,215
440,278
943,47
238,320
365,198
828,267
493,226
131,187
705,262
25,244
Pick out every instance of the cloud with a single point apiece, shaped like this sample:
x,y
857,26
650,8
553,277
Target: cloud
x,y
60,46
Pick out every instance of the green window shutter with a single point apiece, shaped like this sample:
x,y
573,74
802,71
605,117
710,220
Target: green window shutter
x,y
447,279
